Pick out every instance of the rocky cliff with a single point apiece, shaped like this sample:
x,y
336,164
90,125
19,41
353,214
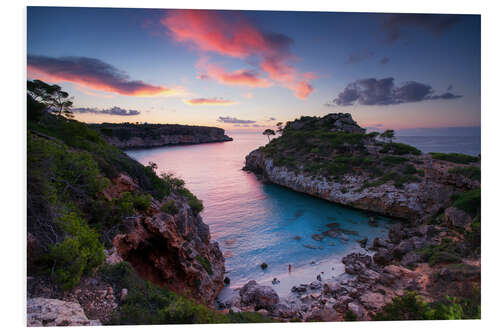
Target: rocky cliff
x,y
93,209
127,136
332,158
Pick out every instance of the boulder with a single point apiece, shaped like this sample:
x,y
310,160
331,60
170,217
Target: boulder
x,y
261,297
323,315
383,257
334,289
411,259
356,262
402,248
372,301
395,233
455,217
54,312
357,309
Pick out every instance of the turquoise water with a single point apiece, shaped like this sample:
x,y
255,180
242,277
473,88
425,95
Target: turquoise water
x,y
255,222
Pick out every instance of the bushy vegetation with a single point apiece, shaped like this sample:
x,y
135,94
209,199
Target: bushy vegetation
x,y
78,253
471,172
169,207
398,148
413,307
455,157
469,201
205,263
446,252
149,304
310,146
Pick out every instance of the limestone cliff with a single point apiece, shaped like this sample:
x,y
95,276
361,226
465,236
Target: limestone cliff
x,y
333,159
127,136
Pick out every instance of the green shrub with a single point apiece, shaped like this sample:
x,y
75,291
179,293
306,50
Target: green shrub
x,y
77,254
471,172
446,252
398,148
455,157
142,202
147,304
409,169
394,160
205,263
315,150
412,307
169,207
350,316
469,202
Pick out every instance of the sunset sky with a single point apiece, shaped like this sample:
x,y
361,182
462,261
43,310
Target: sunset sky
x,y
246,70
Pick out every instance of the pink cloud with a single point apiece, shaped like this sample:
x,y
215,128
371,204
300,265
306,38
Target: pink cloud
x,y
240,77
95,74
209,101
235,36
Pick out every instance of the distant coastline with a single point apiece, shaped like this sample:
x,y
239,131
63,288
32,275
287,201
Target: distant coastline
x,y
137,136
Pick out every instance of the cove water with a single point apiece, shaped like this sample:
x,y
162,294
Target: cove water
x,y
255,222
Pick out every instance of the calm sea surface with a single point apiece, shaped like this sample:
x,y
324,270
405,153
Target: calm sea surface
x,y
255,222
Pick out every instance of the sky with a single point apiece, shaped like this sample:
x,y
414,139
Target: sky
x,y
248,70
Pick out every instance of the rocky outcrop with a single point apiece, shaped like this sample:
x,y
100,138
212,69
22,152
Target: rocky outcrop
x,y
418,198
54,312
128,136
174,250
261,297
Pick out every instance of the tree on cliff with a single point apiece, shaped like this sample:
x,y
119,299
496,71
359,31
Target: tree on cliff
x,y
268,132
388,134
280,127
52,96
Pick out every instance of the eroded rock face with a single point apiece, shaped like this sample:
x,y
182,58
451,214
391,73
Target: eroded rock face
x,y
174,251
455,217
54,312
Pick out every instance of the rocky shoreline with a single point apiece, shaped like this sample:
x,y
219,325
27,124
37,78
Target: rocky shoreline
x,y
372,278
137,136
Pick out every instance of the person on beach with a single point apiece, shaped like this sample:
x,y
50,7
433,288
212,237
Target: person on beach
x,y
289,268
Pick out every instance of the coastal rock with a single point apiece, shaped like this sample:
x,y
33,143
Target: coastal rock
x,y
456,217
261,297
372,301
356,262
383,257
174,251
54,312
414,201
358,310
323,315
334,289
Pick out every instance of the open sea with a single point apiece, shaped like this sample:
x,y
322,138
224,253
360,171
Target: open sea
x,y
256,223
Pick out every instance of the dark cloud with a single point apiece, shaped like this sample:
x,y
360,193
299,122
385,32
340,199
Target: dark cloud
x,y
92,73
359,56
384,60
232,120
383,92
394,24
114,111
